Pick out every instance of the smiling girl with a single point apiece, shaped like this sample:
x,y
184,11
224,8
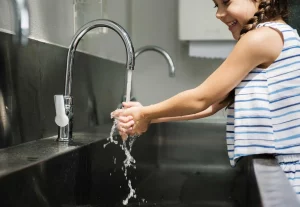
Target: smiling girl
x,y
259,84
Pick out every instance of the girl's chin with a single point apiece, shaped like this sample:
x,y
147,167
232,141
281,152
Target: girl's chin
x,y
236,35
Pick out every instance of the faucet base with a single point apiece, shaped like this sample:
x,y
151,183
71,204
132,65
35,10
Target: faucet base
x,y
65,133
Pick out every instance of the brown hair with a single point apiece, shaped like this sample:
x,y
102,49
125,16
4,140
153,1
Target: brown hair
x,y
268,10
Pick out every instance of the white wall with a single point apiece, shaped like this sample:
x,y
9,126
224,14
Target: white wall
x,y
110,45
155,22
51,21
151,22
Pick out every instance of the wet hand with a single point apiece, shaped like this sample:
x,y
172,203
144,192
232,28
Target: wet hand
x,y
127,105
131,120
126,123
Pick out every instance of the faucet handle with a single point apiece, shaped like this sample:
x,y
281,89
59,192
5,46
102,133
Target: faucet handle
x,y
61,119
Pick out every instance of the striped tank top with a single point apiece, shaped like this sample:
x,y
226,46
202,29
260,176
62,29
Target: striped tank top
x,y
265,116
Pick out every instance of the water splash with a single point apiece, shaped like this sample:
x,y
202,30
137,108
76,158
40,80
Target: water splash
x,y
130,195
129,160
111,135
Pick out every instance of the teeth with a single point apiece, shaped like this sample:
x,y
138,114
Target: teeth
x,y
232,23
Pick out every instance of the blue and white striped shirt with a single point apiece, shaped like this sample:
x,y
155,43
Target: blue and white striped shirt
x,y
265,116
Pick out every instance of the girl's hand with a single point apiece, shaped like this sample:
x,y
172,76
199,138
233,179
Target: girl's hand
x,y
132,120
126,122
127,105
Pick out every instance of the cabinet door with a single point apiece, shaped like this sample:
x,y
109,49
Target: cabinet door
x,y
197,21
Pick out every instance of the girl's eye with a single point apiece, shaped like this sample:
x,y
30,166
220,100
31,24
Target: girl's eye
x,y
225,2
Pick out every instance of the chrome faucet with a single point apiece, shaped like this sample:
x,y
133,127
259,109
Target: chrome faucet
x,y
65,132
160,51
22,21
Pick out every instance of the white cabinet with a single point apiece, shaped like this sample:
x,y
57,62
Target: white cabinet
x,y
197,21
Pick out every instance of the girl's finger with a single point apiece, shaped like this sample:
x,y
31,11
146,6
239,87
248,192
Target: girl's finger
x,y
116,113
130,104
126,125
124,136
124,118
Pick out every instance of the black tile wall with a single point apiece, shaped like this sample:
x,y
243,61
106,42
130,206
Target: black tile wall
x,y
29,78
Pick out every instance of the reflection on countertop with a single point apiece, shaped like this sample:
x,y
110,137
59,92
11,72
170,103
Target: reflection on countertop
x,y
24,155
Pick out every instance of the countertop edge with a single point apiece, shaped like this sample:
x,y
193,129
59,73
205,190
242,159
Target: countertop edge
x,y
273,185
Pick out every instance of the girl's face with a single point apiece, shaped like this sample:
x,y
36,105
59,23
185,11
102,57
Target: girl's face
x,y
236,13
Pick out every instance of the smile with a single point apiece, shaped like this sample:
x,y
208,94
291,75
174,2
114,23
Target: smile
x,y
232,24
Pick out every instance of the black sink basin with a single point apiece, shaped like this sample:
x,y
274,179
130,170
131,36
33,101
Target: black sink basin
x,y
177,165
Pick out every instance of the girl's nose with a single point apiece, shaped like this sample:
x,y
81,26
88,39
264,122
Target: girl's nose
x,y
221,13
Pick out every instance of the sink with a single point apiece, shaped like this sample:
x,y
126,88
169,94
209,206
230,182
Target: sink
x,y
178,164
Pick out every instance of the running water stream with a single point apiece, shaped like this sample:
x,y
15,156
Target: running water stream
x,y
129,160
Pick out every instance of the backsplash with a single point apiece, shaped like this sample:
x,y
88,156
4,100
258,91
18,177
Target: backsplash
x,y
32,75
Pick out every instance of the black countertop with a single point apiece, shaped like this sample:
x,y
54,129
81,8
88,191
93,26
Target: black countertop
x,y
25,155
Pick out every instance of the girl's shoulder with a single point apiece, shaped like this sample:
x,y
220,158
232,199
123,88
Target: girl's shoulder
x,y
265,41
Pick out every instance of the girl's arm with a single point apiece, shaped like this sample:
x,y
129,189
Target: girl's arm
x,y
252,50
207,112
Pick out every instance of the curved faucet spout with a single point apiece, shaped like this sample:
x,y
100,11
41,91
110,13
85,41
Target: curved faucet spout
x,y
65,133
22,23
81,32
160,51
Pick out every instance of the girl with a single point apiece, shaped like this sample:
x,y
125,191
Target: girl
x,y
259,84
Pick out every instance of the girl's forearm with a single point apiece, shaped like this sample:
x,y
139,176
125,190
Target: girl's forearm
x,y
199,115
208,112
184,103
